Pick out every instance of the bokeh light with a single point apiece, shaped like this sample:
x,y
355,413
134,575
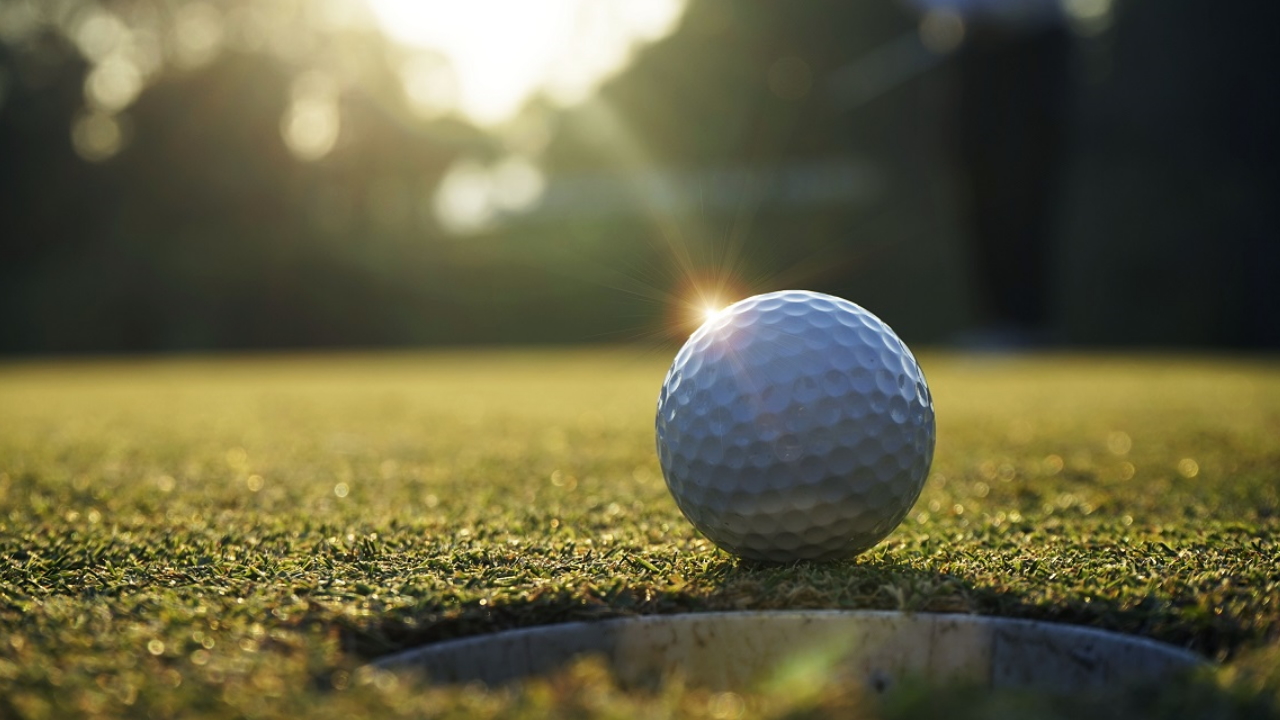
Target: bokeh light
x,y
472,195
310,126
482,62
113,84
430,85
198,33
99,33
97,136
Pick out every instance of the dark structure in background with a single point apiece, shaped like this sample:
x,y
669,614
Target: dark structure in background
x,y
205,233
1015,87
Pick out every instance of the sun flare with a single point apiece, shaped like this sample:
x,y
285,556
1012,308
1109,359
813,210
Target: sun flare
x,y
503,52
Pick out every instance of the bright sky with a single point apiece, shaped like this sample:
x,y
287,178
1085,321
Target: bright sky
x,y
502,52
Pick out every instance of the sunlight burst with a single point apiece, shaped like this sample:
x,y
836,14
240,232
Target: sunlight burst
x,y
503,52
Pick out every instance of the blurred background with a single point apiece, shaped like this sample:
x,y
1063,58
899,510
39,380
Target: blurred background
x,y
250,174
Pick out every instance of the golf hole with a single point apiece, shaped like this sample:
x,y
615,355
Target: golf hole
x,y
738,650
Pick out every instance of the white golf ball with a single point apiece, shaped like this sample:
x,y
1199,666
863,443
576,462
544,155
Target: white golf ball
x,y
795,426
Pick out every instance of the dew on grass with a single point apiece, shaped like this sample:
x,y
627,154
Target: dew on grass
x,y
1052,464
1119,443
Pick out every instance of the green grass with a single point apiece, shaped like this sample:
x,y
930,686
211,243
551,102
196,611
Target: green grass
x,y
235,537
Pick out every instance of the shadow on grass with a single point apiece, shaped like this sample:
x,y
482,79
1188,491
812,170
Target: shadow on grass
x,y
729,584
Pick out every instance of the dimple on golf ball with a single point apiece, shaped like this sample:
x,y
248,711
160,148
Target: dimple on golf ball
x,y
795,426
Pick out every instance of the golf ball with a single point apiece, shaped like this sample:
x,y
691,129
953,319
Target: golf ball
x,y
795,426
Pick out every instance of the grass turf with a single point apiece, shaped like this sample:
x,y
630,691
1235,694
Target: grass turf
x,y
235,537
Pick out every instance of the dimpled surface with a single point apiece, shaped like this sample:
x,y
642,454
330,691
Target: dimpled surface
x,y
795,426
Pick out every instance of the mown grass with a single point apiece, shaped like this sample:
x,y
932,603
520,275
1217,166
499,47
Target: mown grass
x,y
236,537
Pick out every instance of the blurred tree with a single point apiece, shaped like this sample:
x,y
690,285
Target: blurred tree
x,y
278,188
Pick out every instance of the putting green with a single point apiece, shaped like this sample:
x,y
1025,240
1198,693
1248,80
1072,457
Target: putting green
x,y
227,537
